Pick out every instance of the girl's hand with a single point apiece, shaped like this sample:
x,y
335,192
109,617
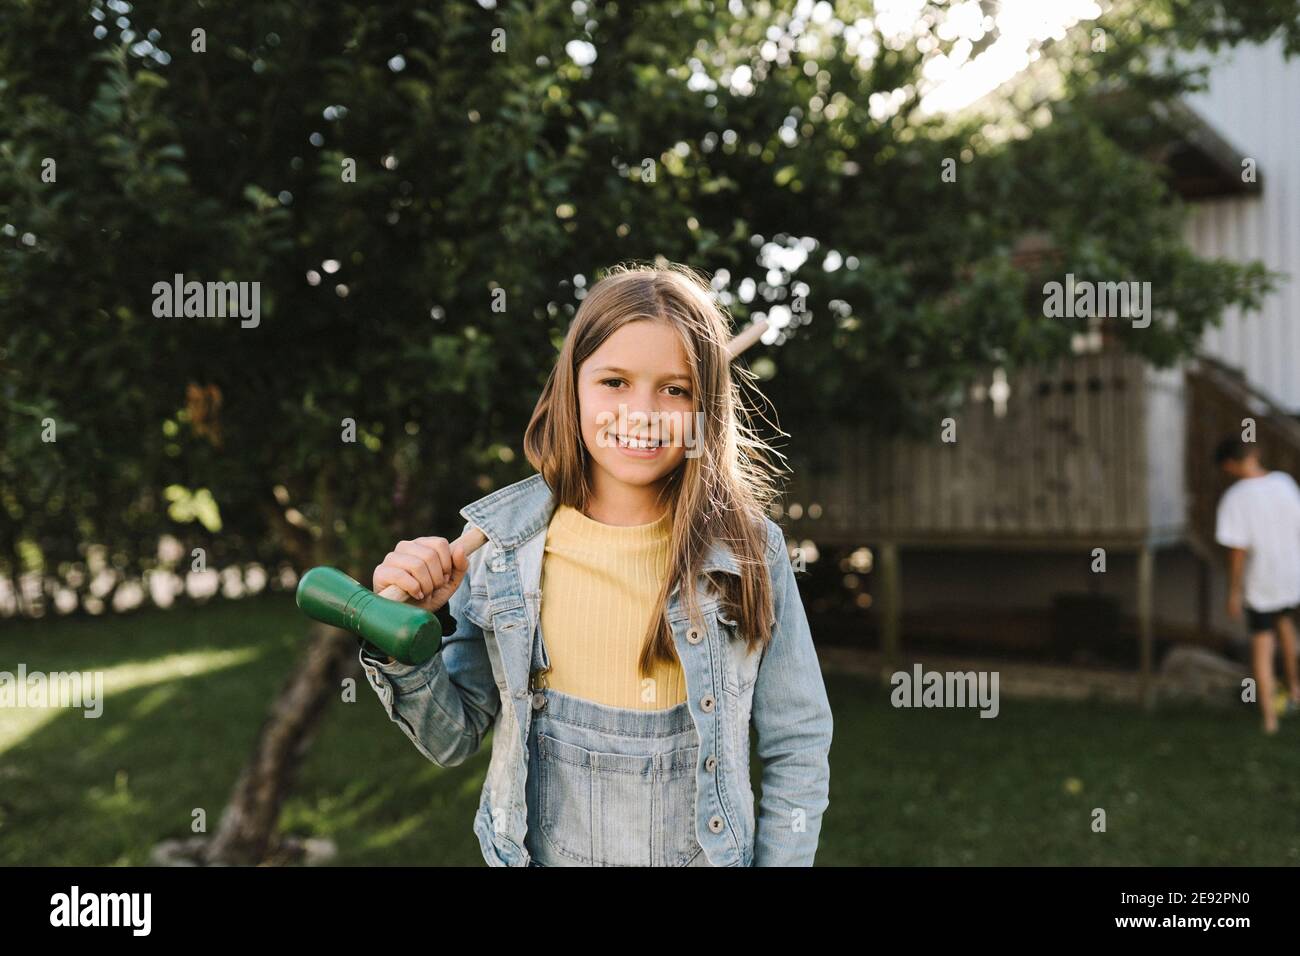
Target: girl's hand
x,y
427,569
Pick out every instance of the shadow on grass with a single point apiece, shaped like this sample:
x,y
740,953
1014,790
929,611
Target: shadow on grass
x,y
97,791
1179,786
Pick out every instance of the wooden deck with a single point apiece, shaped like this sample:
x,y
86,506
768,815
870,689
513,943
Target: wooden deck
x,y
1097,451
1063,463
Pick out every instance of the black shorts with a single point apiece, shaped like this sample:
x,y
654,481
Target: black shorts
x,y
1257,621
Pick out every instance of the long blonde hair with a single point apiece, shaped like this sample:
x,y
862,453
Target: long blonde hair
x,y
720,494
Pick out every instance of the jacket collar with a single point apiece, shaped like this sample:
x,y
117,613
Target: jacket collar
x,y
511,515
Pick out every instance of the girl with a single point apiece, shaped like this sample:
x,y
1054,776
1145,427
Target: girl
x,y
633,613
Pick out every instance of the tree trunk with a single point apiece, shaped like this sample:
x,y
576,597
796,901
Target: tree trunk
x,y
247,831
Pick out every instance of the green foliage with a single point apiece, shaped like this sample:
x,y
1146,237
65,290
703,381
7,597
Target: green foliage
x,y
520,171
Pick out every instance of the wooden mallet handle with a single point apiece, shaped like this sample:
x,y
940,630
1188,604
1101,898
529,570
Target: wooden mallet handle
x,y
472,540
745,339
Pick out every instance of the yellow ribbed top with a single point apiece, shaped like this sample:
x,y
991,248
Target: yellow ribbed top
x,y
599,584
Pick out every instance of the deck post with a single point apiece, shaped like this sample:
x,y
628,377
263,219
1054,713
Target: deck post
x,y
891,606
1145,583
1203,579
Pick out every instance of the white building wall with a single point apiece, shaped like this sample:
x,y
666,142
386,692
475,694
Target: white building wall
x,y
1253,101
1166,441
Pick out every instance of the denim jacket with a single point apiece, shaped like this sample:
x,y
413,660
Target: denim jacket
x,y
479,681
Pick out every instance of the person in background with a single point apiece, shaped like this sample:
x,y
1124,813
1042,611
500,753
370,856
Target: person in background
x,y
1258,520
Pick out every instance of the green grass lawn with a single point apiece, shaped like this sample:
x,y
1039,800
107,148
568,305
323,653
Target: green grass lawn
x,y
186,691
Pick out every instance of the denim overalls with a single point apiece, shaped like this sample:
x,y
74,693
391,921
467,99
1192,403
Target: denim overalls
x,y
479,682
609,786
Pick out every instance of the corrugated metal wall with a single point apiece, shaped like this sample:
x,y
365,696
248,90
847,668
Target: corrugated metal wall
x,y
1253,101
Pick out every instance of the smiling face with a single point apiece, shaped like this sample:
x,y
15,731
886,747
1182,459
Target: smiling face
x,y
636,386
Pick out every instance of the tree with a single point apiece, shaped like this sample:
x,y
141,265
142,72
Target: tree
x,y
422,197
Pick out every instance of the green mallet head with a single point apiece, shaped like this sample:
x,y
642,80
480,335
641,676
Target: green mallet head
x,y
408,633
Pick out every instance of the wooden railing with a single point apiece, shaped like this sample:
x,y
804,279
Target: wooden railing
x,y
1064,461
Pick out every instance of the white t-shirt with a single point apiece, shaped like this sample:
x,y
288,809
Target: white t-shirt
x,y
1262,515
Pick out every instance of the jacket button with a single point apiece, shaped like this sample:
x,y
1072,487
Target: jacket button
x,y
498,564
710,762
693,635
539,700
715,823
706,703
